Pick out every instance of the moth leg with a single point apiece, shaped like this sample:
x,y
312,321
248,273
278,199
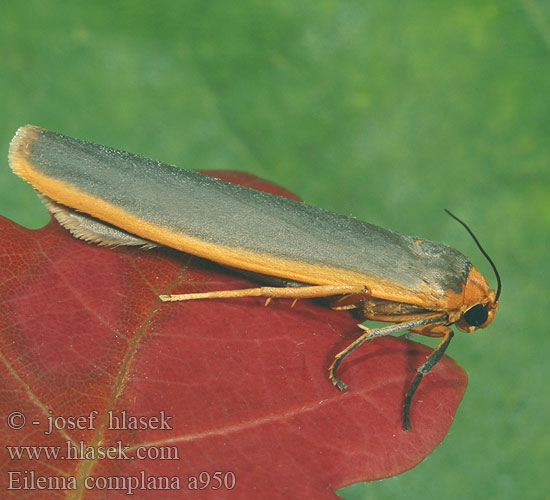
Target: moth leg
x,y
350,301
368,335
375,333
424,368
297,292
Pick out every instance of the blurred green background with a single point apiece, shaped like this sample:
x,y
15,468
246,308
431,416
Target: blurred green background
x,y
390,111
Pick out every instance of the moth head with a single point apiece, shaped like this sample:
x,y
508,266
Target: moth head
x,y
480,303
478,315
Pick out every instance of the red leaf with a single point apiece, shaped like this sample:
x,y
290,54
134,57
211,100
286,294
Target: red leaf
x,y
243,388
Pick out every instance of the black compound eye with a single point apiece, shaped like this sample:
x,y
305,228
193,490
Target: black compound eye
x,y
476,316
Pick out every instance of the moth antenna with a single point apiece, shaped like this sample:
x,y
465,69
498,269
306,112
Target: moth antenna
x,y
499,283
